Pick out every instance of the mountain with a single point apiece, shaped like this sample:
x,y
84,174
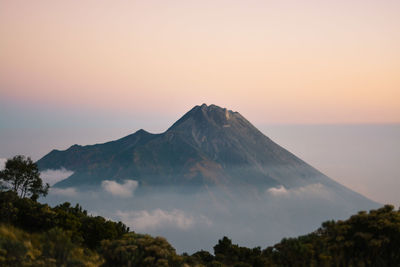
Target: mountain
x,y
212,173
208,146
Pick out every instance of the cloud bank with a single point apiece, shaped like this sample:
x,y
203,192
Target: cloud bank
x,y
125,189
278,191
312,190
67,192
54,176
144,220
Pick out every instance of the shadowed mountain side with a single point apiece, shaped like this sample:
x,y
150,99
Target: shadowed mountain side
x,y
208,146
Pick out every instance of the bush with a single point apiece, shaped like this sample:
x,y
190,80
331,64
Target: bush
x,y
139,250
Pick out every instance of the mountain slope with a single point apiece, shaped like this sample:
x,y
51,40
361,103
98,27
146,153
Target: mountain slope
x,y
211,173
208,146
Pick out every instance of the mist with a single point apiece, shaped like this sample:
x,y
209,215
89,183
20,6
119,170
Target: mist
x,y
194,219
365,158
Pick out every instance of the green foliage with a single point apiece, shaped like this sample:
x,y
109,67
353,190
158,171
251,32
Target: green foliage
x,y
22,176
67,236
51,248
139,250
59,236
365,239
235,255
202,257
96,229
36,217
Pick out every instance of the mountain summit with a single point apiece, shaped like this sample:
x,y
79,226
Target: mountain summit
x,y
208,146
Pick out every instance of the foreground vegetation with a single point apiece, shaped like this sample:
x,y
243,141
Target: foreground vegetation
x,y
35,234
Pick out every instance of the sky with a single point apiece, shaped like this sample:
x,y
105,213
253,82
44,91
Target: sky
x,y
90,71
278,61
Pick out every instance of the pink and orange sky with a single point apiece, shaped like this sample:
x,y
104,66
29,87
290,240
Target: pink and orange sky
x,y
91,71
274,61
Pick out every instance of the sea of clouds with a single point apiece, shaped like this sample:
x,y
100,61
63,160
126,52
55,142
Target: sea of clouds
x,y
195,220
192,221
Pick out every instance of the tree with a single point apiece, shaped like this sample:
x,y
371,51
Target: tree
x,y
22,176
139,250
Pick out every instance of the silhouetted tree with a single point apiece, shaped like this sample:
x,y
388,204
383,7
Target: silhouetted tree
x,y
22,176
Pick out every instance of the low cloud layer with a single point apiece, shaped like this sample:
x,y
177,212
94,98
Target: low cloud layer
x,y
54,176
125,189
312,190
144,220
67,192
278,191
194,220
